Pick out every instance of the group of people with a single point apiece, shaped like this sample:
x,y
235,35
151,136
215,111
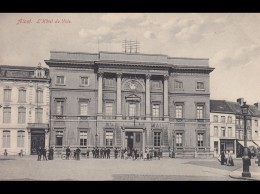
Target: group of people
x,y
226,159
76,153
42,153
101,153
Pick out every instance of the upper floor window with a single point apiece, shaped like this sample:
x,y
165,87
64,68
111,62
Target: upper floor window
x,y
223,132
229,119
179,111
200,86
7,95
109,81
230,132
59,138
222,119
156,84
22,95
132,109
84,81
215,118
109,108
7,115
38,115
178,84
21,114
60,80
60,103
156,110
83,108
200,111
39,96
215,131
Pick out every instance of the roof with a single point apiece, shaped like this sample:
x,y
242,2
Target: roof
x,y
220,106
128,57
223,106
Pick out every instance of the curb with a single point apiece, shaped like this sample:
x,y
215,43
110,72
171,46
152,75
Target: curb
x,y
242,178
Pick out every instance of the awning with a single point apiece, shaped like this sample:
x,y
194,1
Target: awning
x,y
249,143
257,142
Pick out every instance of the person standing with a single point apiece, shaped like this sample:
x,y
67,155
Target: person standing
x,y
108,153
222,158
51,152
78,153
250,156
68,153
39,153
44,151
87,152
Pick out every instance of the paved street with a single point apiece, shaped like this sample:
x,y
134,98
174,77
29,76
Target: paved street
x,y
28,168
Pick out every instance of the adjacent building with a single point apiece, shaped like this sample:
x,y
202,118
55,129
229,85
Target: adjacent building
x,y
227,127
24,109
128,100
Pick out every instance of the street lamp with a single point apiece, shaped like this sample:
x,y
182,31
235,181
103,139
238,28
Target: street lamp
x,y
246,159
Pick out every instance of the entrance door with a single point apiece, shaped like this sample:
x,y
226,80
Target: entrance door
x,y
37,140
130,142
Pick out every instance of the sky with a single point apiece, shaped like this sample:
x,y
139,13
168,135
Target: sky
x,y
231,41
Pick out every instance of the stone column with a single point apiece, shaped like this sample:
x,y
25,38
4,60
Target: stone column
x,y
123,139
100,94
147,97
46,138
29,142
118,96
165,98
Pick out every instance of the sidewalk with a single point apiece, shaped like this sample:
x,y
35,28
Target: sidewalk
x,y
254,170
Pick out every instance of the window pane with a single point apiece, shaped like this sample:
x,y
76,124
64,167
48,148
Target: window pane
x,y
59,138
157,138
39,96
179,111
21,115
6,139
83,138
60,80
109,108
200,139
60,108
155,110
7,95
20,138
22,96
84,80
109,138
215,131
83,108
38,115
7,115
132,109
178,139
200,85
200,110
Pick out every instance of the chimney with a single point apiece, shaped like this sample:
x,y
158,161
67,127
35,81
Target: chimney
x,y
257,105
240,101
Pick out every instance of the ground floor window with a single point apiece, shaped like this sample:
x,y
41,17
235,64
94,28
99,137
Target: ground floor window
x,y
6,139
200,139
20,138
83,138
157,138
179,139
109,138
59,138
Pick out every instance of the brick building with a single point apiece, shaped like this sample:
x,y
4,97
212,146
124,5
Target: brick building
x,y
130,100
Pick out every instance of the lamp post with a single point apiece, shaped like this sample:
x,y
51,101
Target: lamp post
x,y
246,159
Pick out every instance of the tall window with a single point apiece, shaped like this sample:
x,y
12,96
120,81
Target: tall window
x,y
59,138
200,139
60,107
229,131
39,96
132,109
7,95
20,138
7,115
223,132
179,111
156,84
237,122
200,111
109,138
83,108
84,81
6,139
222,119
178,84
229,119
156,110
109,108
215,131
215,118
200,86
22,95
179,139
60,80
248,123
38,115
21,114
157,139
83,136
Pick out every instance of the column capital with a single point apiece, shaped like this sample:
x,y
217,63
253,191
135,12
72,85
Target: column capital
x,y
148,76
100,74
119,75
166,77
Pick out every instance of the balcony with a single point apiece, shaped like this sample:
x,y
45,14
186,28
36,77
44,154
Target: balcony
x,y
65,117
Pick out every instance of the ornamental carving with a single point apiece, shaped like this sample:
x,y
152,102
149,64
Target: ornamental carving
x,y
133,85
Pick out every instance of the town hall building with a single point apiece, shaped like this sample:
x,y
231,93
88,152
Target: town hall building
x,y
130,100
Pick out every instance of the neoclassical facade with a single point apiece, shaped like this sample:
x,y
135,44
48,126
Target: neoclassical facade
x,y
24,109
128,100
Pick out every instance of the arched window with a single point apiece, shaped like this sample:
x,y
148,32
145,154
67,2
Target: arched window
x,y
6,139
20,138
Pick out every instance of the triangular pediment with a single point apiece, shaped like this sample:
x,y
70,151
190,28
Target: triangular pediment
x,y
133,97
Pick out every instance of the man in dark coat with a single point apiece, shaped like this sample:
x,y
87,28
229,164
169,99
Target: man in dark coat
x,y
78,153
39,153
44,152
108,153
249,156
222,158
68,153
51,152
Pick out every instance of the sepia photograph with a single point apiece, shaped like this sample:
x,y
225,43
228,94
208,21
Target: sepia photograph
x,y
130,97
